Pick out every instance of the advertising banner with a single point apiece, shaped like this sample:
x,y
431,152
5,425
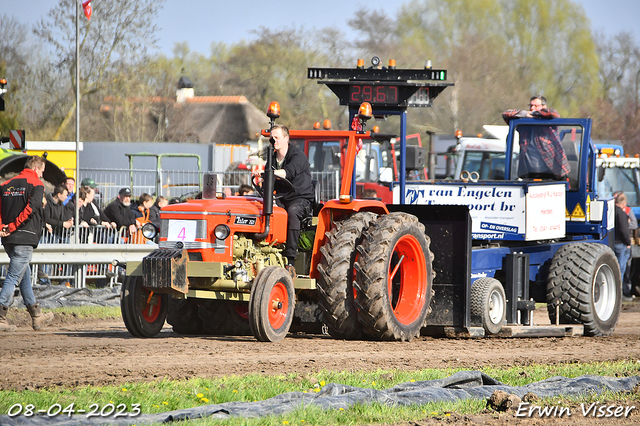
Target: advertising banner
x,y
499,212
546,206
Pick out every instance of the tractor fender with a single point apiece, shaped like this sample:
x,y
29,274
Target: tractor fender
x,y
335,210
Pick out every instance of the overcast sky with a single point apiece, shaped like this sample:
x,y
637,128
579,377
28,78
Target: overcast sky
x,y
201,22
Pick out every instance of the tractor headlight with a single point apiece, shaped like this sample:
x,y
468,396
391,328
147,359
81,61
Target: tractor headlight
x,y
149,231
221,232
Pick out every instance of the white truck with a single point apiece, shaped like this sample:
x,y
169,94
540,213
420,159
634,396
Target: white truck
x,y
483,158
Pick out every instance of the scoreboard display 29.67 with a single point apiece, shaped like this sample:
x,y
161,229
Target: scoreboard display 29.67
x,y
378,94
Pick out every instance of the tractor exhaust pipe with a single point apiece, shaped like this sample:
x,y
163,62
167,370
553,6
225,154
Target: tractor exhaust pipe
x,y
269,181
267,193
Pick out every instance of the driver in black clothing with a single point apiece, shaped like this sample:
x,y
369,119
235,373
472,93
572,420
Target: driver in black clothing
x,y
291,163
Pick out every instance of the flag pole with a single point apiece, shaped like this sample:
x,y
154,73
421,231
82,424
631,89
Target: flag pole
x,y
77,173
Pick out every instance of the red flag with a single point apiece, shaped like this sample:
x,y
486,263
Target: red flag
x,y
86,6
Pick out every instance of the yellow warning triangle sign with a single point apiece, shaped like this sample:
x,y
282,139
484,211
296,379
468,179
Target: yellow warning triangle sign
x,y
566,214
578,213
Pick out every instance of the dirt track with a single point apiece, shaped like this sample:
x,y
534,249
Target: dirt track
x,y
75,352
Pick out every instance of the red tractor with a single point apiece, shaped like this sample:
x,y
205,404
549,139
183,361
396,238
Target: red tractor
x,y
219,267
369,272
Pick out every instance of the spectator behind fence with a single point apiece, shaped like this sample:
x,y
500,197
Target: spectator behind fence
x,y
141,208
57,216
154,210
119,211
79,197
70,183
90,213
245,189
88,182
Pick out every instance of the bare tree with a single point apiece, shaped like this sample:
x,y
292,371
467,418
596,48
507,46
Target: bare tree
x,y
617,115
378,33
119,31
14,47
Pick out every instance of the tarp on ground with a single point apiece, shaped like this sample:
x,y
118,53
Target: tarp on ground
x,y
57,296
460,386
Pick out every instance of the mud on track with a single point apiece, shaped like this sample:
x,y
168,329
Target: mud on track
x,y
77,352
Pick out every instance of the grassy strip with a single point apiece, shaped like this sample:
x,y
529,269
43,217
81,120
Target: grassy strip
x,y
90,311
165,395
93,312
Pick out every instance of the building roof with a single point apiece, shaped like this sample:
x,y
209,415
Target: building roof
x,y
204,119
219,119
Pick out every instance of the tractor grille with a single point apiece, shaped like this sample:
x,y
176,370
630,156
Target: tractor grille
x,y
165,271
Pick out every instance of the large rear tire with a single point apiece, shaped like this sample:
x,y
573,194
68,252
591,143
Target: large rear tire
x,y
182,314
271,304
335,282
394,278
143,311
488,304
584,281
225,318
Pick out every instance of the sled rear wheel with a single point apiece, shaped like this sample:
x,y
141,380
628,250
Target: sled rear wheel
x,y
584,284
488,304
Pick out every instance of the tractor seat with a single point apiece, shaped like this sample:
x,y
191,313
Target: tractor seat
x,y
316,205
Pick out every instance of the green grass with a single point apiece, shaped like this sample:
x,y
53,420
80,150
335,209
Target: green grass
x,y
90,311
165,395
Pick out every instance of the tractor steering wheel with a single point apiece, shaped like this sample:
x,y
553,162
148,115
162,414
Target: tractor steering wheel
x,y
287,186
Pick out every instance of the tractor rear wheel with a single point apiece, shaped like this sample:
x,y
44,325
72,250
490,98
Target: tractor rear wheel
x,y
394,278
271,304
143,311
584,282
335,282
225,318
182,314
488,304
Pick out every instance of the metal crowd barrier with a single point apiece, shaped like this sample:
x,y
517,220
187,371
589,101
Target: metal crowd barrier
x,y
63,258
178,183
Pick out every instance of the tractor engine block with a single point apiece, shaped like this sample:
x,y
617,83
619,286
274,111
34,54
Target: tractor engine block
x,y
250,257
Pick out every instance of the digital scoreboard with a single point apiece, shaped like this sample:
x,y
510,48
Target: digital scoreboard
x,y
383,88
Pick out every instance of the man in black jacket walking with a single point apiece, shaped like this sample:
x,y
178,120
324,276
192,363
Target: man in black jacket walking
x,y
22,221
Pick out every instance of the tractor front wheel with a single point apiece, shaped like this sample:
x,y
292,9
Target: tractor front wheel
x,y
143,311
271,304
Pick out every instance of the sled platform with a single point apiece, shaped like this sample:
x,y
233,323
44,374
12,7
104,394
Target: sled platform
x,y
562,330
